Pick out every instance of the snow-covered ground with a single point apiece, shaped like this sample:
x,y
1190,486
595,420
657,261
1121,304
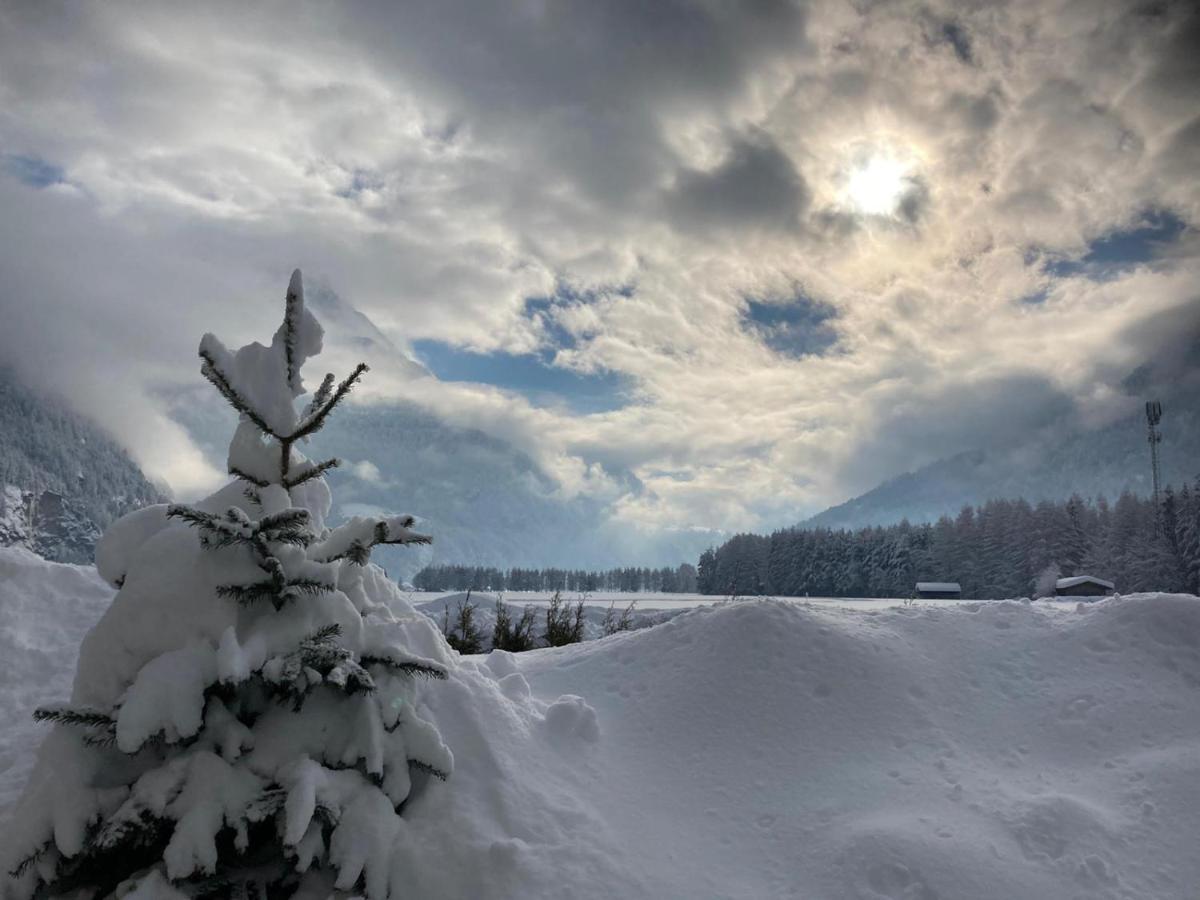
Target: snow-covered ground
x,y
45,610
975,751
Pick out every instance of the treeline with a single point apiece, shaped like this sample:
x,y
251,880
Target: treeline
x,y
1005,548
680,580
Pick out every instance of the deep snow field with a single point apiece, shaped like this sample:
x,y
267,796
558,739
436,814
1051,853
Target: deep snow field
x,y
760,749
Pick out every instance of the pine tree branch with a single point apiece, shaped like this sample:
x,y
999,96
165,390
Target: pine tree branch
x,y
413,539
383,534
314,422
83,717
279,595
315,471
325,634
425,767
291,321
116,833
327,816
246,476
192,516
24,865
317,661
107,738
350,676
98,869
405,667
320,395
266,804
234,527
356,553
288,519
212,372
359,552
288,527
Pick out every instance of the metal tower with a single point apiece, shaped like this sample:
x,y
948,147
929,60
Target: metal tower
x,y
1153,417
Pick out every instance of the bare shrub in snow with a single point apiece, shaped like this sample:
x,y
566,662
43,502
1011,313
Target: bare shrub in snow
x,y
517,636
462,633
564,622
614,623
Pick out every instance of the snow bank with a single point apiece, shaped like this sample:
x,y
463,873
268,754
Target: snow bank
x,y
986,751
45,610
771,749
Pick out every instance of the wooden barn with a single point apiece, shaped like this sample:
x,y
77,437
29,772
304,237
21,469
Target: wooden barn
x,y
939,590
1083,586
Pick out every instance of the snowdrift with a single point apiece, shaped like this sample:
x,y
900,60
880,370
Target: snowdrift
x,y
45,610
983,751
777,749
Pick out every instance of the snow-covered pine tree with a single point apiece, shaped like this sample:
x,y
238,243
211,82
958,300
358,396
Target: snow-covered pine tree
x,y
246,717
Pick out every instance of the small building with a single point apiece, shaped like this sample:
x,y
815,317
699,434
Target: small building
x,y
1083,586
939,590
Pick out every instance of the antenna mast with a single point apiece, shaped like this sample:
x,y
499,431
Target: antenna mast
x,y
1153,417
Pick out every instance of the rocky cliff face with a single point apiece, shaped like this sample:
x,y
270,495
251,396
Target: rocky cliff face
x,y
47,523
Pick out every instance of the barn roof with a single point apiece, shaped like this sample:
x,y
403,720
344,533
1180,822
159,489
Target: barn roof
x,y
942,587
1083,579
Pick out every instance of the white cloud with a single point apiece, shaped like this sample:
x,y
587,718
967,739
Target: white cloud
x,y
367,471
439,166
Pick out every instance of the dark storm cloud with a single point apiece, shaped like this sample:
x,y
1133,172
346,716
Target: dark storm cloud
x,y
755,186
957,37
581,84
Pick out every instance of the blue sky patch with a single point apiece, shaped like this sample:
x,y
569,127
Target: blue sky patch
x,y
542,309
1121,249
530,374
33,171
796,327
360,180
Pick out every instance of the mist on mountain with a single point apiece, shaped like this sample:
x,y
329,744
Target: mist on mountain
x,y
1066,457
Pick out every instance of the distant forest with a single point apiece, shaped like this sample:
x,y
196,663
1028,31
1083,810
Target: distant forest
x,y
1005,548
681,580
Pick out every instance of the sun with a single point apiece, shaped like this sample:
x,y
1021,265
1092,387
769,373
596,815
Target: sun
x,y
877,187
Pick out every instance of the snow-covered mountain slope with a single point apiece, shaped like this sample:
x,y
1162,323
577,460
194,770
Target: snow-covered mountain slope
x,y
487,501
769,749
69,479
1105,462
1064,457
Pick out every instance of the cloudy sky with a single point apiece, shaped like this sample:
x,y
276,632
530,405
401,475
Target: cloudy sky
x,y
757,255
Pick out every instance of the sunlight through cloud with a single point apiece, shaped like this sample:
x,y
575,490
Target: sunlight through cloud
x,y
877,187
